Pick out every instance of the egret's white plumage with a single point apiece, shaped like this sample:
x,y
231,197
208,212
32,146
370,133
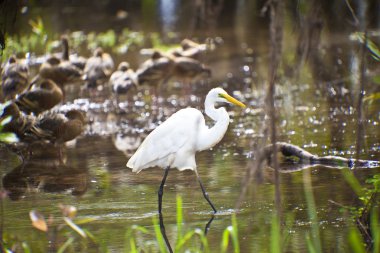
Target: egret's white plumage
x,y
174,143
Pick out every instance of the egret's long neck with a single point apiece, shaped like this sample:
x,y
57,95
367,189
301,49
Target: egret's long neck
x,y
213,135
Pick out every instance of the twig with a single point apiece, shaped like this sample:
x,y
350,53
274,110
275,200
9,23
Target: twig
x,y
356,20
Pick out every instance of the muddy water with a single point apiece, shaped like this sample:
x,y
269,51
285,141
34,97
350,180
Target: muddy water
x,y
316,112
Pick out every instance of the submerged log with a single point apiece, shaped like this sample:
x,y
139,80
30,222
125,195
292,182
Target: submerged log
x,y
305,157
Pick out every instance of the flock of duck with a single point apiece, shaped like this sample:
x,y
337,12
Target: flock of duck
x,y
28,101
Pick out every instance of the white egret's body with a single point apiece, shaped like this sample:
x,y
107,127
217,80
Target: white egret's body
x,y
174,143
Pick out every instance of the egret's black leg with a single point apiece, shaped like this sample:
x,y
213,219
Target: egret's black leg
x,y
205,194
163,232
161,189
207,227
160,194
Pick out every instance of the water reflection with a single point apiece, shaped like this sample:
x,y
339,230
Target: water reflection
x,y
45,171
168,10
127,143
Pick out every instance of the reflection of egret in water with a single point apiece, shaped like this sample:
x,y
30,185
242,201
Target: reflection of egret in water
x,y
45,174
126,143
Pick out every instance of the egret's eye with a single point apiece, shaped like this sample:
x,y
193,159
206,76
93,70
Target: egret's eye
x,y
221,95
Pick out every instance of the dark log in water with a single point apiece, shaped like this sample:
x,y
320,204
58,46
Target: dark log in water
x,y
305,157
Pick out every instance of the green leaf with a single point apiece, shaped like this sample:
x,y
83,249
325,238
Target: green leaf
x,y
66,245
26,247
376,79
235,237
356,241
312,212
179,217
6,120
84,220
225,239
231,231
160,239
204,240
8,137
375,52
375,230
372,97
353,182
275,235
184,239
310,244
75,227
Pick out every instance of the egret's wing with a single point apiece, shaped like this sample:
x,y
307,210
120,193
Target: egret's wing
x,y
165,140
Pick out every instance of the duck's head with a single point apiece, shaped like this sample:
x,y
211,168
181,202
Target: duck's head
x,y
76,115
123,66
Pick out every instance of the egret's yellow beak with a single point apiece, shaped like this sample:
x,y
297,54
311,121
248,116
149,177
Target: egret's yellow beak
x,y
232,100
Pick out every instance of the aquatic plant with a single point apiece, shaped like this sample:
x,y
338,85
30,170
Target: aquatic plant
x,y
365,216
5,136
193,240
40,41
374,50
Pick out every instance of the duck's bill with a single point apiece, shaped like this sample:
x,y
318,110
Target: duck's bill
x,y
233,100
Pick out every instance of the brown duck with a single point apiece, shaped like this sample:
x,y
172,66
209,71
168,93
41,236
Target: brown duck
x,y
191,48
122,80
43,95
60,71
123,72
189,69
19,124
98,68
59,128
155,70
14,78
74,59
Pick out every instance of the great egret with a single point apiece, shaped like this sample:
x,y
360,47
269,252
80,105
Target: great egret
x,y
14,78
173,144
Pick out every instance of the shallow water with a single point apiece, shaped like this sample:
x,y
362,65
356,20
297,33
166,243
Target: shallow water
x,y
316,114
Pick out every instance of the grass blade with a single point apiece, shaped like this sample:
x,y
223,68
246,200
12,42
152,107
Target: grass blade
x,y
74,226
353,182
66,245
275,235
312,212
179,218
225,239
375,230
235,237
231,231
355,241
159,238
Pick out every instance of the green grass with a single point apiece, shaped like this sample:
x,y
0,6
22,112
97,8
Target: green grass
x,y
40,41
